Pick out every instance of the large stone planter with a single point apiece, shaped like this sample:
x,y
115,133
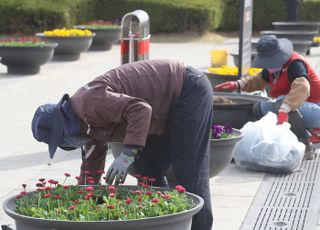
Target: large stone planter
x,y
26,60
178,221
221,153
237,114
69,48
235,57
104,38
292,35
299,25
216,79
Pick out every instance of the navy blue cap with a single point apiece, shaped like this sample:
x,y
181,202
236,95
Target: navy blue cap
x,y
48,124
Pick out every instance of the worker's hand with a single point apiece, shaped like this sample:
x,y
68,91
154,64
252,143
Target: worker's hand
x,y
227,86
119,168
282,117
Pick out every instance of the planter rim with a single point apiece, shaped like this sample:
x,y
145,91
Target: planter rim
x,y
191,212
64,37
297,23
291,32
47,44
250,98
85,27
297,42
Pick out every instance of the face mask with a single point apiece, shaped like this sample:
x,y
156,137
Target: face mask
x,y
275,70
73,141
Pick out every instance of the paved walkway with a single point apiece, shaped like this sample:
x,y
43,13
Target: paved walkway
x,y
24,160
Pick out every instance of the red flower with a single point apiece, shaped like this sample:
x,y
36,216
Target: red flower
x,y
137,192
51,181
180,189
145,178
39,189
148,193
77,177
151,179
100,171
18,196
159,193
47,188
139,199
39,185
89,189
91,182
86,172
58,197
47,195
166,196
23,193
112,195
67,174
138,176
41,179
66,186
72,207
128,201
80,191
140,207
111,188
155,200
111,207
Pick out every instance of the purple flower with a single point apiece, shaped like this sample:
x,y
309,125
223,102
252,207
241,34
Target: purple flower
x,y
218,131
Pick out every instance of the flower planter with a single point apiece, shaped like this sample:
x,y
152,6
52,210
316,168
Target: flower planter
x,y
177,221
69,48
235,57
236,114
216,79
300,25
222,151
26,60
104,38
292,35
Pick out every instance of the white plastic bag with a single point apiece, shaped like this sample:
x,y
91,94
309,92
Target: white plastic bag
x,y
268,147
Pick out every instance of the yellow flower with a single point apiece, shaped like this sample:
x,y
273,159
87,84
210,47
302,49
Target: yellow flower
x,y
67,32
232,71
316,39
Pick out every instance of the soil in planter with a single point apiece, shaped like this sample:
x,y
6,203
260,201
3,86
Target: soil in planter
x,y
222,100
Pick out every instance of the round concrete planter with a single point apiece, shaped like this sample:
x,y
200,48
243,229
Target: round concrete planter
x,y
69,48
299,46
300,25
235,57
178,221
236,114
104,38
292,35
26,60
221,153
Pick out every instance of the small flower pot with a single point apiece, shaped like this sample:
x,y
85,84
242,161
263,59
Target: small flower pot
x,y
177,221
70,47
26,60
104,38
222,151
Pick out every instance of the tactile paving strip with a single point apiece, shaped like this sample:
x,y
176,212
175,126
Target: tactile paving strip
x,y
287,202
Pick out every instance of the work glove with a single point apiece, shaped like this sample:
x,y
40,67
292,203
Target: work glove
x,y
283,113
119,168
227,86
282,117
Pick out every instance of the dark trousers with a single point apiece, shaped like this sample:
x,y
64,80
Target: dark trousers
x,y
186,148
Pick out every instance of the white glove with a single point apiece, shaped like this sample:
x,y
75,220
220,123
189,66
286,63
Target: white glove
x,y
119,168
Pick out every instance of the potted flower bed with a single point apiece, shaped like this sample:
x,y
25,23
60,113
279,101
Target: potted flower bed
x,y
25,55
225,73
222,145
221,150
106,34
60,206
71,42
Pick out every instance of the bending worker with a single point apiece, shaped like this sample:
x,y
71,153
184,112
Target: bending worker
x,y
293,83
160,110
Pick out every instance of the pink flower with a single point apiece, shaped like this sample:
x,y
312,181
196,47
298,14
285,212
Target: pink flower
x,y
72,207
23,193
77,177
91,182
47,188
166,196
111,207
42,179
39,189
138,176
89,189
86,172
151,179
137,192
148,193
128,201
51,181
67,174
66,186
180,189
145,178
100,171
58,197
111,188
112,195
155,200
159,193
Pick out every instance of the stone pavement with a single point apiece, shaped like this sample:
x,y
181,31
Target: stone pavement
x,y
24,160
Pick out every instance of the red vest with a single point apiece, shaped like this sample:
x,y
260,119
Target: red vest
x,y
283,85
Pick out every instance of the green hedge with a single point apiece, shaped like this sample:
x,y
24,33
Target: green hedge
x,y
30,16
